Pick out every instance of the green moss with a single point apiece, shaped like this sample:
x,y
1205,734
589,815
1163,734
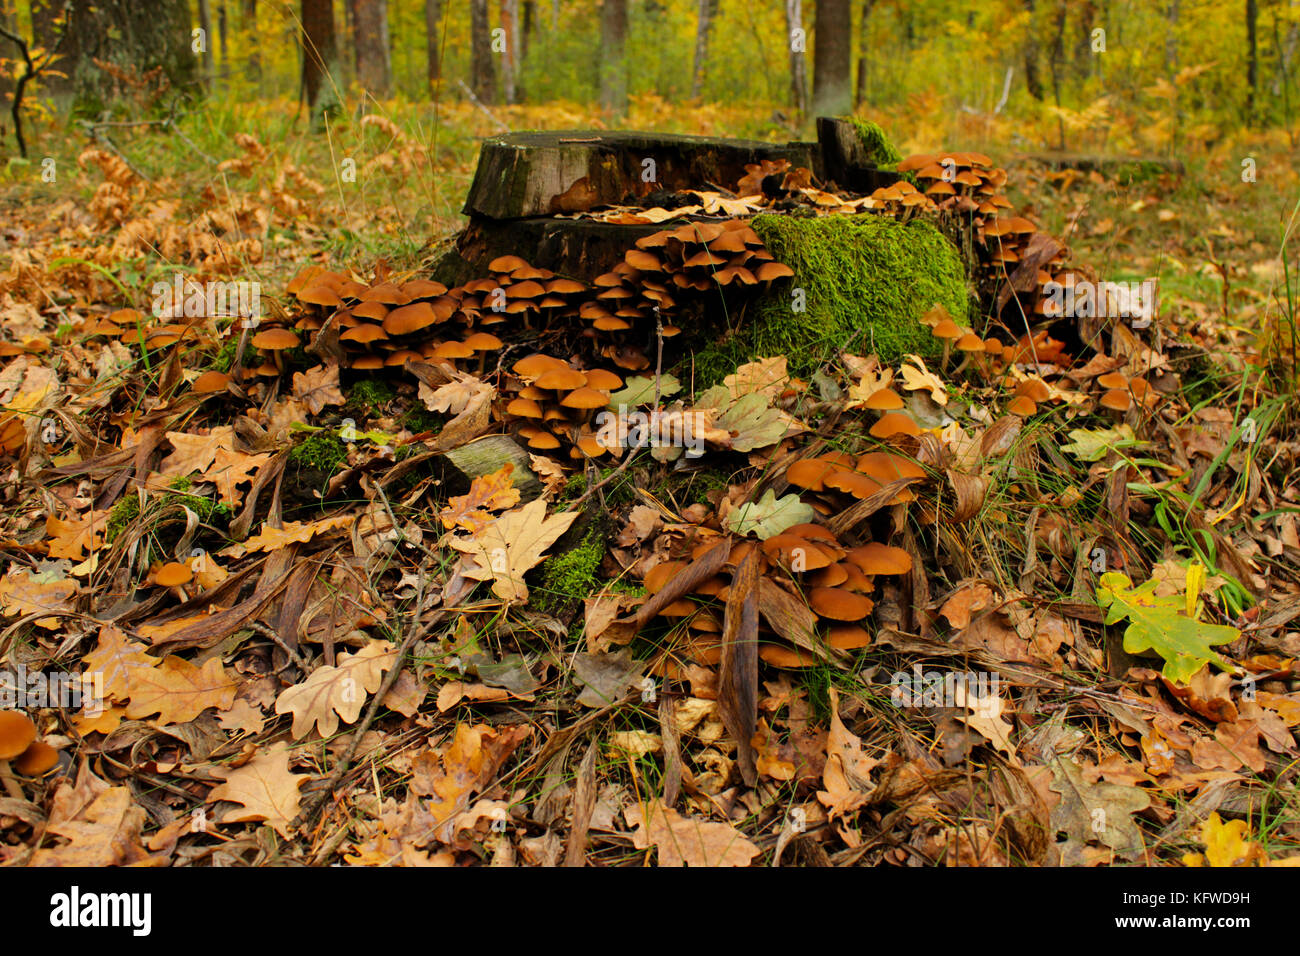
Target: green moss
x,y
571,575
370,393
419,420
877,144
225,358
124,512
865,282
321,450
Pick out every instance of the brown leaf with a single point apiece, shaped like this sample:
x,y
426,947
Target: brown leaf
x,y
265,787
462,769
330,693
688,841
318,387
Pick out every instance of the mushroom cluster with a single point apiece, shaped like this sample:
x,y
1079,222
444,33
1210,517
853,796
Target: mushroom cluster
x,y
554,405
959,181
806,561
30,757
902,196
667,267
1119,393
836,479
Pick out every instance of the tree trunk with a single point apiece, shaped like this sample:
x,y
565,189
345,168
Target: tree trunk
x,y
433,40
708,9
1032,81
374,70
136,37
613,56
250,30
530,24
510,56
205,54
482,74
319,52
833,58
864,53
223,64
796,40
1252,59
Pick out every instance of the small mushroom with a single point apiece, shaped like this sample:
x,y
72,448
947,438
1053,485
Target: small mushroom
x,y
17,733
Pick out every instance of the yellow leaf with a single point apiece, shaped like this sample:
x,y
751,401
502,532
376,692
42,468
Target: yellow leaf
x,y
265,787
330,693
511,545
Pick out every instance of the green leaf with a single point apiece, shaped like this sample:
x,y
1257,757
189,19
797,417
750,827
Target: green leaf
x,y
640,389
1091,444
752,422
769,515
1158,624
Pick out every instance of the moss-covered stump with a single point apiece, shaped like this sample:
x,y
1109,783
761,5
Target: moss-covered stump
x,y
861,283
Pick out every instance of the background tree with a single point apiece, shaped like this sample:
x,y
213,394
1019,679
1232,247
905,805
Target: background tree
x,y
795,43
370,38
613,56
433,41
708,10
864,52
482,70
319,52
833,58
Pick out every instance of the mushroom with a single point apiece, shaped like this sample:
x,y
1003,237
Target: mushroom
x,y
482,343
17,733
894,423
1116,400
275,341
175,576
884,400
948,332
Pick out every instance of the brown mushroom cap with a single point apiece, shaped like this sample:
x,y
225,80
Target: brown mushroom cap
x,y
1117,400
320,295
1022,405
603,379
16,733
210,381
894,423
848,637
877,558
483,342
838,605
946,329
544,441
524,408
884,400
769,271
585,398
410,318
173,574
453,350
857,485
36,759
561,379
531,366
1035,389
809,473
274,340
365,334
661,574
970,342
507,264
1113,380
787,549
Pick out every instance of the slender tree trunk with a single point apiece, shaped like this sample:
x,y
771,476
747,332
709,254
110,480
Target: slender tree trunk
x,y
205,57
319,50
482,73
613,56
1057,60
796,41
864,53
1032,81
223,37
433,40
374,70
1252,59
530,24
250,31
708,9
510,56
833,58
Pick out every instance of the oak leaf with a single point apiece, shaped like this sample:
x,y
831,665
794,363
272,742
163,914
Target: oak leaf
x,y
487,493
511,545
465,767
318,387
23,592
266,788
688,841
330,693
178,691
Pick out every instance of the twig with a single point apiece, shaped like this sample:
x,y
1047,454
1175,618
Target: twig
x,y
479,103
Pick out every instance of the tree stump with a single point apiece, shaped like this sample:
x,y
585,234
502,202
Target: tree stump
x,y
520,175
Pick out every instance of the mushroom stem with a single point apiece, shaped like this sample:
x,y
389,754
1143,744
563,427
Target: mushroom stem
x,y
11,785
947,348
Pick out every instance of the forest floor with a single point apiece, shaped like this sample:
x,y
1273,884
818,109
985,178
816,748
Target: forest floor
x,y
514,722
